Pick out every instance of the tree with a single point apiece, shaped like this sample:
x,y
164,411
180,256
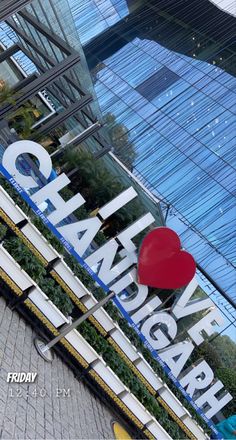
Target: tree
x,y
207,351
226,348
22,120
228,378
93,180
185,323
7,94
123,148
98,186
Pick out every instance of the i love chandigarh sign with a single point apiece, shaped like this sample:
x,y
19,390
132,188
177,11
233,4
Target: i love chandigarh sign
x,y
162,263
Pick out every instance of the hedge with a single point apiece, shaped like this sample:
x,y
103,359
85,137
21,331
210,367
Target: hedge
x,y
3,231
113,360
65,305
35,269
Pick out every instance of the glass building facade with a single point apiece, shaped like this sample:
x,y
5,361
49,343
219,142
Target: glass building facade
x,y
167,74
183,131
101,13
59,21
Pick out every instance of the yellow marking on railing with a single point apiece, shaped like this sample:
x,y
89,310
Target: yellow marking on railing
x,y
20,234
10,282
116,399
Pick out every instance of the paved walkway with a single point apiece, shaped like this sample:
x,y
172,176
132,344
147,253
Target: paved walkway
x,y
25,415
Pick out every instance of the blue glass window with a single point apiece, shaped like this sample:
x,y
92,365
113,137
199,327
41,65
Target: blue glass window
x,y
157,83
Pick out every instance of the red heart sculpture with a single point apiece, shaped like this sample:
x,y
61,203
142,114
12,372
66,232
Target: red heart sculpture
x,y
161,261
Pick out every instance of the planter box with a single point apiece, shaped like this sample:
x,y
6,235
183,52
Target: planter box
x,y
70,279
14,271
124,344
109,378
38,297
149,374
157,431
136,407
194,428
102,317
9,207
81,346
39,242
172,401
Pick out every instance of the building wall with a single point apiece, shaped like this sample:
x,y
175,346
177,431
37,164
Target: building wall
x,y
172,87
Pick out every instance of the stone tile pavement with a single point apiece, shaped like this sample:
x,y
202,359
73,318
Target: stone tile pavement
x,y
43,410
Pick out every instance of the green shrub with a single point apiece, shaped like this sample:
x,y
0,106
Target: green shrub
x,y
56,295
129,379
37,272
24,258
81,273
47,234
14,195
3,231
228,378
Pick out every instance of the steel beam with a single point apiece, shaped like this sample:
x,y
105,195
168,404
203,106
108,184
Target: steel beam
x,y
9,7
7,53
31,43
54,38
40,83
99,138
62,116
24,82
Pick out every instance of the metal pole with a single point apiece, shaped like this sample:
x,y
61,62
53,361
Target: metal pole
x,y
44,349
78,138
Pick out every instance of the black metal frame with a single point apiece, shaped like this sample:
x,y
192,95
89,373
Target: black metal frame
x,y
9,7
60,118
39,83
7,53
51,75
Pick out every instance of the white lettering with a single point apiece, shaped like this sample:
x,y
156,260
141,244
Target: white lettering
x,y
135,299
89,227
159,328
197,378
62,208
21,377
105,255
146,309
18,148
206,325
177,355
215,403
180,309
125,236
156,337
117,203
